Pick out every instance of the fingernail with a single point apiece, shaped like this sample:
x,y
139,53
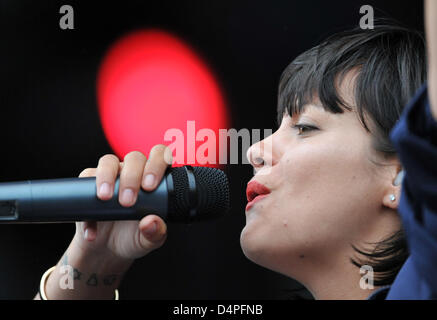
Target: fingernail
x,y
128,196
149,180
105,190
150,230
85,234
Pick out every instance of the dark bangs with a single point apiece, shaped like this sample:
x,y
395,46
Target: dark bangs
x,y
390,63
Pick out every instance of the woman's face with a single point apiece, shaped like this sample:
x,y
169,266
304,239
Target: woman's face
x,y
325,194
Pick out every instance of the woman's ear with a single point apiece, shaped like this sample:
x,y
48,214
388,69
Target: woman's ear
x,y
399,178
392,197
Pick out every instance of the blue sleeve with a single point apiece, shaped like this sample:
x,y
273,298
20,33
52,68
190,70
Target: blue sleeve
x,y
415,139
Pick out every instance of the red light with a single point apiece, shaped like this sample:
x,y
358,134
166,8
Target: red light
x,y
149,82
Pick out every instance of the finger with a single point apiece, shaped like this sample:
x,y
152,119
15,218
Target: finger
x,y
90,230
87,229
106,174
153,233
89,172
130,177
160,158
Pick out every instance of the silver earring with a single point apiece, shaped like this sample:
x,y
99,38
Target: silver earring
x,y
392,197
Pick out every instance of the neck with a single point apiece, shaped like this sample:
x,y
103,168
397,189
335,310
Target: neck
x,y
334,280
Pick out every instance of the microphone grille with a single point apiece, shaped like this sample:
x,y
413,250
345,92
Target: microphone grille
x,y
212,194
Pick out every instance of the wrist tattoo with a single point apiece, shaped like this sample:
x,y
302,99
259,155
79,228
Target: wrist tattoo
x,y
109,280
92,281
77,274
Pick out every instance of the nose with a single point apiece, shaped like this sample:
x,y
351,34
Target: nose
x,y
260,154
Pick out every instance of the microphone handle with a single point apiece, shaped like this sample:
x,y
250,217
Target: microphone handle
x,y
75,199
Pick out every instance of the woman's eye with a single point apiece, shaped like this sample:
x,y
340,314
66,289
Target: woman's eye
x,y
303,128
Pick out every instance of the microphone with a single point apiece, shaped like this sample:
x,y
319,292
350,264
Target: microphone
x,y
185,194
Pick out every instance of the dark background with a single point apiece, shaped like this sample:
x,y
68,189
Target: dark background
x,y
50,126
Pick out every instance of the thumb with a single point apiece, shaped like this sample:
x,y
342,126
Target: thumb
x,y
153,233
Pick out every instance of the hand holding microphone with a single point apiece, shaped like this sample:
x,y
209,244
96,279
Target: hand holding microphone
x,y
99,249
110,247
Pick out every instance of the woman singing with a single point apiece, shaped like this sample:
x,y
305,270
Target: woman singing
x,y
349,180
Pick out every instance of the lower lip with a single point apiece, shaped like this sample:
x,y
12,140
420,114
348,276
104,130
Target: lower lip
x,y
257,198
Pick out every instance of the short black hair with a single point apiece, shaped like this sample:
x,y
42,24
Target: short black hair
x,y
390,61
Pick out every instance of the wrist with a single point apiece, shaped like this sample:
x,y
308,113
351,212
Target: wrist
x,y
98,259
86,273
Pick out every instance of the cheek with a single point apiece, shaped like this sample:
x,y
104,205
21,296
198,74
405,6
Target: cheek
x,y
326,189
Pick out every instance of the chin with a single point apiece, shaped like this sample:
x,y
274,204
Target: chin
x,y
262,249
257,247
250,244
